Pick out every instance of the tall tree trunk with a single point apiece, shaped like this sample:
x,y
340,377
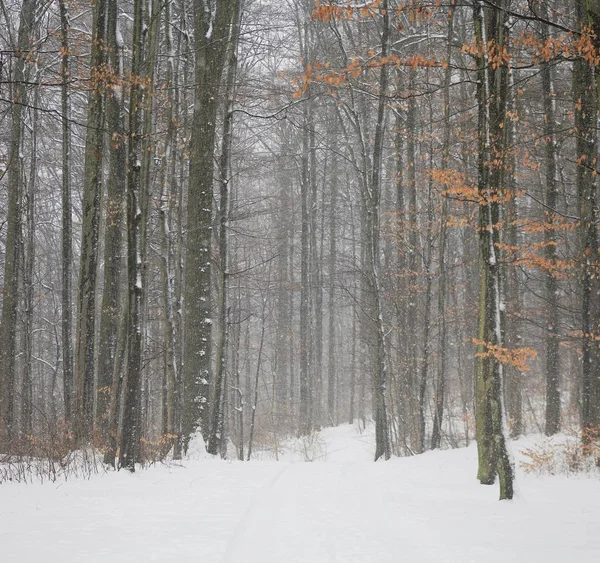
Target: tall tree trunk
x,y
440,385
514,376
306,382
316,283
491,96
332,406
115,216
92,192
373,199
28,273
211,39
132,421
552,425
586,91
167,214
411,344
427,260
215,437
10,293
67,222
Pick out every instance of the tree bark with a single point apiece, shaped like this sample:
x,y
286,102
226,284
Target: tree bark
x,y
490,25
115,217
586,91
132,420
211,38
215,437
92,193
373,199
440,384
10,293
552,425
67,222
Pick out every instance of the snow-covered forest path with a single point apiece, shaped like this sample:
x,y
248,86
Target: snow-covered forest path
x,y
344,509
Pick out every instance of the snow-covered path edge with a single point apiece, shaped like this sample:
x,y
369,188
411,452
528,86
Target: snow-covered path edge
x,y
345,508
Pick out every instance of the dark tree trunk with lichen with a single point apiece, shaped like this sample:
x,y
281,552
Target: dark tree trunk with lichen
x,y
211,38
586,93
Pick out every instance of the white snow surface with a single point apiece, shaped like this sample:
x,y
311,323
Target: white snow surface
x,y
340,508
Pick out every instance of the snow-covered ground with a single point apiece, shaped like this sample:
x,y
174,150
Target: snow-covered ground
x,y
341,508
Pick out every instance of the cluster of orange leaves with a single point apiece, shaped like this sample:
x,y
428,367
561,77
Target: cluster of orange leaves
x,y
457,187
542,49
516,357
530,258
322,72
594,336
455,184
555,224
497,55
327,10
584,44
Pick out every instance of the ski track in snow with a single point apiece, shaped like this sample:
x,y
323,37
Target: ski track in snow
x,y
345,509
234,542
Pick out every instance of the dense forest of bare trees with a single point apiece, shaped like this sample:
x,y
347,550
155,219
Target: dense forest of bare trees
x,y
255,218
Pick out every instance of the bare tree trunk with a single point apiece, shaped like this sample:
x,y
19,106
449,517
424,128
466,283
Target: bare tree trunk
x,y
92,192
491,96
130,441
211,39
28,284
113,246
514,377
10,293
372,200
586,90
332,384
168,209
440,386
427,259
552,425
316,282
306,383
67,223
215,437
412,387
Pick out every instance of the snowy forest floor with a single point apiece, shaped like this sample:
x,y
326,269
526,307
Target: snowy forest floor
x,y
341,508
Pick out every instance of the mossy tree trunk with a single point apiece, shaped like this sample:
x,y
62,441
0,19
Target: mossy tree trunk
x,y
491,33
